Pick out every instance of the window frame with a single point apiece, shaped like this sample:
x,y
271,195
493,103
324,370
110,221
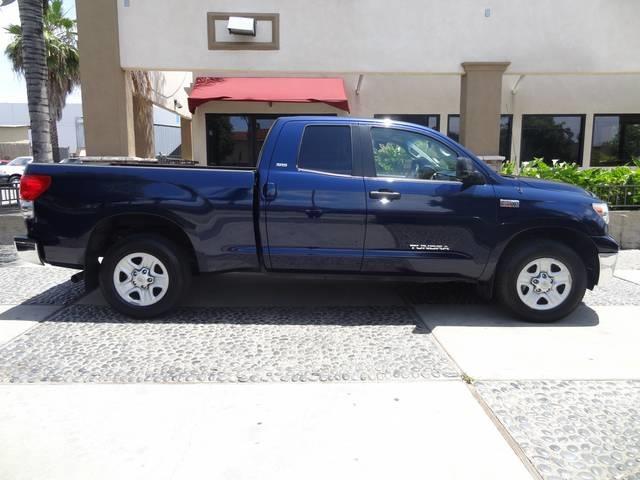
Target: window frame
x,y
354,154
583,123
369,167
620,146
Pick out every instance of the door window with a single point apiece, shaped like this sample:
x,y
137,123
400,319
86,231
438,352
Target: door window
x,y
404,154
326,148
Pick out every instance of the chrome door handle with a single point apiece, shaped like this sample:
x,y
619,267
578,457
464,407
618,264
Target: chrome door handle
x,y
388,194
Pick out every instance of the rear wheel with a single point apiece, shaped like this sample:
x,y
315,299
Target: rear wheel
x,y
144,276
15,180
542,282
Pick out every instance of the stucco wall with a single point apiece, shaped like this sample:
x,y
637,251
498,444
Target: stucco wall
x,y
382,36
440,94
168,91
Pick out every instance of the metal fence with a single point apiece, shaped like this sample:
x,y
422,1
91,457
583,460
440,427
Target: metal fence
x,y
619,197
9,196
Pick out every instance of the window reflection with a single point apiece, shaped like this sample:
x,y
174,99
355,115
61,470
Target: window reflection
x,y
616,139
552,137
236,140
228,140
427,120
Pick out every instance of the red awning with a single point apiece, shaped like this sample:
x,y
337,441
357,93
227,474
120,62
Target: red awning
x,y
261,89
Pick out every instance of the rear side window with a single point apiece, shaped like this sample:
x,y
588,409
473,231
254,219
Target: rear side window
x,y
326,148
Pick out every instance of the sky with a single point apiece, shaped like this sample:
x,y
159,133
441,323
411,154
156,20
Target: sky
x,y
12,86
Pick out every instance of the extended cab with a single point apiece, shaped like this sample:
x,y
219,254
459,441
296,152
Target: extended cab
x,y
330,195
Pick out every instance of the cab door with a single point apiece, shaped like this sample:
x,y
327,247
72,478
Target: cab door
x,y
421,219
315,200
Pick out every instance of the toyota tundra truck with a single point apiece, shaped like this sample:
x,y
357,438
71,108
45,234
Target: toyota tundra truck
x,y
330,195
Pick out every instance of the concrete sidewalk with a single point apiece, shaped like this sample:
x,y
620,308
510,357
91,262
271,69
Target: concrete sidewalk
x,y
254,431
595,343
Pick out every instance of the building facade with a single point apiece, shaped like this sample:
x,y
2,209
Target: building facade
x,y
520,79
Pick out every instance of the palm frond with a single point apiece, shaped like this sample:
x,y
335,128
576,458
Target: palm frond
x,y
63,61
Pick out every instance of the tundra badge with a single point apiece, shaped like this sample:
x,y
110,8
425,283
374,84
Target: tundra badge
x,y
441,248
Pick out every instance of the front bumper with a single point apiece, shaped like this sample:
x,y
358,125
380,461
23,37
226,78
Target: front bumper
x,y
607,267
28,250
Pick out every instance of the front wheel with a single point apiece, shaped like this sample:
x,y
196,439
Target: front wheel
x,y
144,276
543,281
15,181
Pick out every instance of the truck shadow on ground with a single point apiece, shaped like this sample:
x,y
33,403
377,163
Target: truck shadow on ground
x,y
258,299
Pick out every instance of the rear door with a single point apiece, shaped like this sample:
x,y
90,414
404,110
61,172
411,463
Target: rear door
x,y
421,219
315,199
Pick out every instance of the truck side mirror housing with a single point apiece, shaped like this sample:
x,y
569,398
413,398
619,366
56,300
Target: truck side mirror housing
x,y
467,173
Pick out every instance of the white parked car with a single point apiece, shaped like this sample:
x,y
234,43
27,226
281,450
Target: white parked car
x,y
12,171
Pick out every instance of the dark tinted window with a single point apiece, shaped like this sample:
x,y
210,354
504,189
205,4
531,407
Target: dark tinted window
x,y
228,141
453,127
431,121
616,139
326,148
506,125
236,140
552,137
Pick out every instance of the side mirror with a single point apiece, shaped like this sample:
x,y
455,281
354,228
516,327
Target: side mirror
x,y
467,173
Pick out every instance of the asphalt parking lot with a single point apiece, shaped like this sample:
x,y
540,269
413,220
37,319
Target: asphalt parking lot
x,y
315,377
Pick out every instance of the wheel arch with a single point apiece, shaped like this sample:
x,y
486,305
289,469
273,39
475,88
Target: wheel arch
x,y
572,238
111,229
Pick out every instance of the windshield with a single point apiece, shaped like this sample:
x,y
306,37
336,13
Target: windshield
x,y
19,161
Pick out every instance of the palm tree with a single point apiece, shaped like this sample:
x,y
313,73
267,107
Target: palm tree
x,y
34,67
62,68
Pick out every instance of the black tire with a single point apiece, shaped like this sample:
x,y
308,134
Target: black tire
x,y
14,180
516,259
172,257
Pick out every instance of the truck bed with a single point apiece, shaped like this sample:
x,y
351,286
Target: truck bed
x,y
213,206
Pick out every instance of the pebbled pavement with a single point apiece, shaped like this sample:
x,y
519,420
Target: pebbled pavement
x,y
85,343
587,430
38,285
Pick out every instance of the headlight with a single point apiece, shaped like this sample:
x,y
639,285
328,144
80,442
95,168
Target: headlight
x,y
602,209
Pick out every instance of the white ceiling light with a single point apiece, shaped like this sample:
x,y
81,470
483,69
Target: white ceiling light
x,y
242,26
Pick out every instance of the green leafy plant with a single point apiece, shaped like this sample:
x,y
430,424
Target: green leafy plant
x,y
390,158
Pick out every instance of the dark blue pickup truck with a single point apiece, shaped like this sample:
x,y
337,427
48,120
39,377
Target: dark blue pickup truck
x,y
330,195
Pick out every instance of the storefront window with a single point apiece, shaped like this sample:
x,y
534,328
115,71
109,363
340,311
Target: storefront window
x,y
429,120
616,140
228,142
453,127
552,137
506,126
236,140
